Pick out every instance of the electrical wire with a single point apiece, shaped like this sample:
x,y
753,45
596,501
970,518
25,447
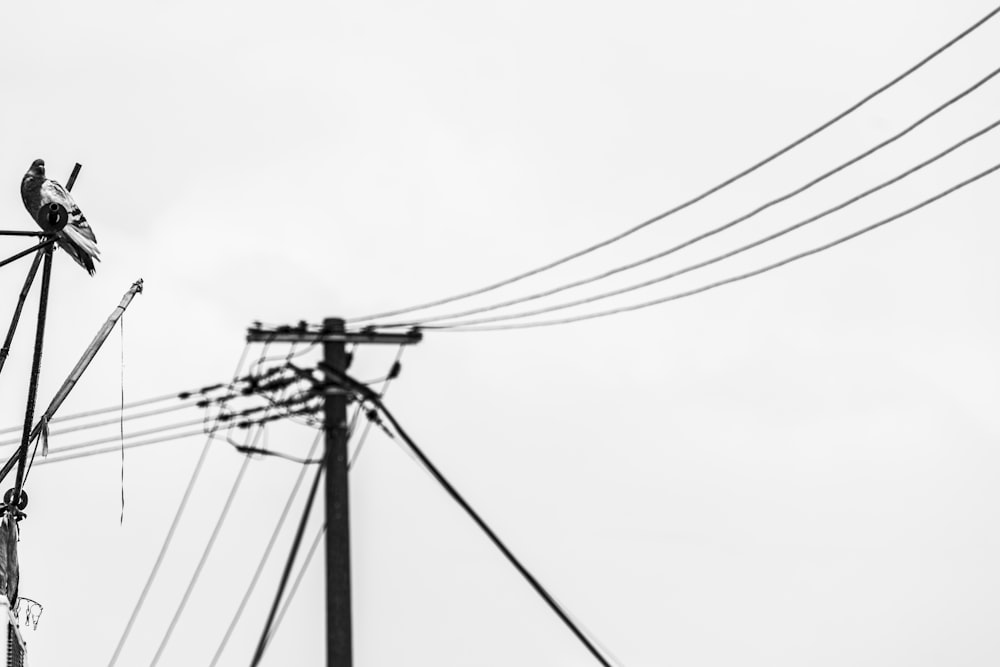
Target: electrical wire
x,y
107,422
289,563
170,532
759,242
204,556
262,561
295,584
369,395
613,239
143,443
464,327
732,223
368,424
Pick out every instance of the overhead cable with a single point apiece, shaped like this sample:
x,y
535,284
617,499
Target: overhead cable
x,y
170,532
732,223
369,395
289,563
262,561
220,521
466,327
759,242
613,239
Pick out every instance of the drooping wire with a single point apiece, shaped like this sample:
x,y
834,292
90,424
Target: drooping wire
x,y
730,253
262,561
393,373
289,563
460,327
716,230
369,395
170,532
185,399
204,556
295,584
613,239
143,443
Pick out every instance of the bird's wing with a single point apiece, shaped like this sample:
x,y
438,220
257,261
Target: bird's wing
x,y
53,192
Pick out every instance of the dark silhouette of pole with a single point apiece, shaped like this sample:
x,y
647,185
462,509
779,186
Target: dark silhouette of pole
x,y
338,534
36,363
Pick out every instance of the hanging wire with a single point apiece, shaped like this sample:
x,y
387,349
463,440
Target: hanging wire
x,y
295,585
465,327
754,244
613,239
732,223
289,563
262,561
220,521
370,396
170,532
393,373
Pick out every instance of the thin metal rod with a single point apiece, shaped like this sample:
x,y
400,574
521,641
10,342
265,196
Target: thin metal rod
x,y
19,232
74,375
13,258
36,363
17,310
88,356
73,175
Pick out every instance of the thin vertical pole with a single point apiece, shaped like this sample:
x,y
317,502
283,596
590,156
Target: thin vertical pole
x,y
29,412
5,350
338,545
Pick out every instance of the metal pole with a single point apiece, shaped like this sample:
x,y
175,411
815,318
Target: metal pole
x,y
338,545
29,412
5,350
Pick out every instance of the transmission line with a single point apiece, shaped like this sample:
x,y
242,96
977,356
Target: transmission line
x,y
262,561
742,218
371,396
761,241
204,556
613,239
467,327
170,532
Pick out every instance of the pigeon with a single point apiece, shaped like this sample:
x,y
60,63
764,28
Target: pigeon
x,y
76,238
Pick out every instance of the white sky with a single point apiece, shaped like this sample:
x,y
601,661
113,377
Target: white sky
x,y
799,469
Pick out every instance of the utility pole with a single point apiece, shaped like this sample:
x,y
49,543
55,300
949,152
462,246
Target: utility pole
x,y
335,338
338,533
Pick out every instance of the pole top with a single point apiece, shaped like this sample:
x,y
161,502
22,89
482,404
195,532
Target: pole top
x,y
332,330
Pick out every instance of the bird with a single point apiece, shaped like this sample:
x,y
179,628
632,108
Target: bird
x,y
76,238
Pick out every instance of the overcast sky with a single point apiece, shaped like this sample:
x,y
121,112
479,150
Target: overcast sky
x,y
800,469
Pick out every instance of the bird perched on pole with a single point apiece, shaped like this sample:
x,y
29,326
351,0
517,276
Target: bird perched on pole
x,y
76,237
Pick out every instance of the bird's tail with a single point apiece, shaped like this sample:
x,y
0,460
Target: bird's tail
x,y
82,249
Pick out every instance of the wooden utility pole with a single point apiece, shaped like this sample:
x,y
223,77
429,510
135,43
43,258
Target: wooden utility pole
x,y
335,337
338,534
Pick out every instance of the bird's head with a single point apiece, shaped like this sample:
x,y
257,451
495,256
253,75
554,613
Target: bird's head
x,y
37,168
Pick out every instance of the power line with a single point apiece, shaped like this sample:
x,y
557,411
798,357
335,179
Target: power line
x,y
761,241
393,373
459,327
289,563
170,532
694,200
295,584
369,395
732,223
262,561
204,556
108,422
